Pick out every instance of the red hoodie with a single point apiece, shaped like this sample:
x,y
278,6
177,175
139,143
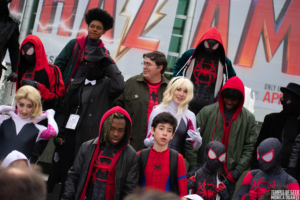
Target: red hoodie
x,y
233,83
110,183
51,85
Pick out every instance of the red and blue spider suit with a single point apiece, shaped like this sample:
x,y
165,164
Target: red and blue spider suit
x,y
259,181
207,182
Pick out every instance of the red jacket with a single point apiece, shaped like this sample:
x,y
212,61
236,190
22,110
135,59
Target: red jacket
x,y
51,85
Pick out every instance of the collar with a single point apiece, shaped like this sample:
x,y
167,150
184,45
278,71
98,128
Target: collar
x,y
93,82
164,80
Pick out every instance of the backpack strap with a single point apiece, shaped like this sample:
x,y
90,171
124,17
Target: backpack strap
x,y
143,162
173,171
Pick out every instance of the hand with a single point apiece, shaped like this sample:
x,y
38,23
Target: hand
x,y
222,191
194,136
4,108
260,193
191,182
12,77
40,117
233,176
148,142
253,194
30,82
50,113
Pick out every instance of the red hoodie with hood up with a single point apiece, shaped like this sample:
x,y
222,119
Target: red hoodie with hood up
x,y
232,83
211,33
110,182
51,85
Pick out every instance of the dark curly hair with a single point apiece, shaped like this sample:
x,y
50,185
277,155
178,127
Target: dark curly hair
x,y
99,15
164,118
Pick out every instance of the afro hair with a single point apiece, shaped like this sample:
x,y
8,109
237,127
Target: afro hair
x,y
99,15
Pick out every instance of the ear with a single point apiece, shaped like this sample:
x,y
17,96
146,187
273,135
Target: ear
x,y
160,67
152,131
173,135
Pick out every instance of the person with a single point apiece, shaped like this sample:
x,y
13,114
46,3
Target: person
x,y
35,70
20,131
9,39
161,167
259,181
83,99
205,69
294,159
231,124
177,96
142,93
183,61
15,159
21,184
71,60
106,167
284,126
206,181
152,195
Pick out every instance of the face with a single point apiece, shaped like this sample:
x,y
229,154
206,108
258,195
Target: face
x,y
24,108
215,155
180,94
150,69
230,103
117,131
95,30
163,133
28,53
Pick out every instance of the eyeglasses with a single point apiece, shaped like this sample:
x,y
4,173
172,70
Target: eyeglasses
x,y
147,64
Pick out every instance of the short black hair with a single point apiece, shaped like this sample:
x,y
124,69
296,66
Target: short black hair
x,y
99,15
164,118
233,94
159,58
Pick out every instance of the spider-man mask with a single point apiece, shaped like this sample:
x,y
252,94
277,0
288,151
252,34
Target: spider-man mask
x,y
211,45
215,155
29,53
268,153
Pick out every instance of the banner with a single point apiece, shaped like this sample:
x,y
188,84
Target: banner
x,y
140,26
261,38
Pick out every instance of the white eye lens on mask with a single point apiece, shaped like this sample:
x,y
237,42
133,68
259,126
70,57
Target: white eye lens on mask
x,y
211,154
222,157
30,51
268,157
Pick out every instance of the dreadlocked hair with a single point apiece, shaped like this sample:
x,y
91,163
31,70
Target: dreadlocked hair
x,y
106,126
99,15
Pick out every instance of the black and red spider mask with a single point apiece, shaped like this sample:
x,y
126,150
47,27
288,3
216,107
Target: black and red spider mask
x,y
268,153
211,45
28,51
215,155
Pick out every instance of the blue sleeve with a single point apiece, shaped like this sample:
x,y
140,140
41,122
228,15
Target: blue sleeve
x,y
181,61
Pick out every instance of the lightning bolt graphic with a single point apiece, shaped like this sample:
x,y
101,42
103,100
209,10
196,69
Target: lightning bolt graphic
x,y
127,12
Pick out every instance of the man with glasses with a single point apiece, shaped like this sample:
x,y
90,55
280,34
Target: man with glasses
x,y
142,93
284,126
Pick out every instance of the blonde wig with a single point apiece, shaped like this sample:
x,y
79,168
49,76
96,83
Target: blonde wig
x,y
30,93
172,86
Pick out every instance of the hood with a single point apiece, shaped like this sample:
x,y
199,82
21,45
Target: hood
x,y
128,130
233,83
40,55
13,156
124,143
211,33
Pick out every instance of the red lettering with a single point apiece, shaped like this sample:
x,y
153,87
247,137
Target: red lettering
x,y
217,10
67,17
279,102
260,22
47,16
16,8
110,7
267,97
274,96
137,28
